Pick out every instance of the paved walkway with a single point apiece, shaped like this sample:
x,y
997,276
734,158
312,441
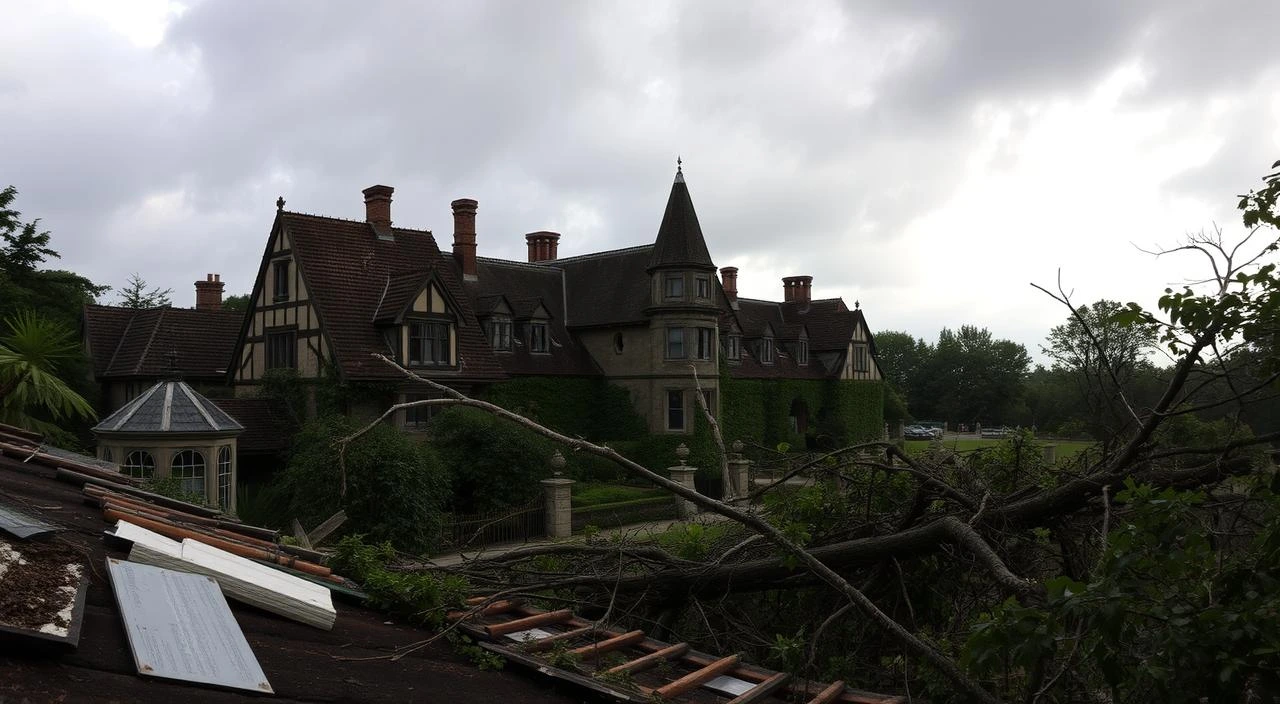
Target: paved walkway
x,y
634,531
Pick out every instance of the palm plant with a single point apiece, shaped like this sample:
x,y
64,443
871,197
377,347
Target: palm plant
x,y
31,355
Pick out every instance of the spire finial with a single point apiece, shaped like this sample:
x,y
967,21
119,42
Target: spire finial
x,y
280,203
679,169
856,304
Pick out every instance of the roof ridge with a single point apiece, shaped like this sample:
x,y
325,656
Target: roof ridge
x,y
517,264
354,222
606,253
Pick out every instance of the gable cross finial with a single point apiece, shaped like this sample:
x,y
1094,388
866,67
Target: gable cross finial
x,y
679,164
280,203
856,304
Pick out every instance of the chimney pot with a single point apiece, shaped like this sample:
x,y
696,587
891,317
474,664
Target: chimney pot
x,y
377,205
464,236
796,288
543,246
729,280
209,293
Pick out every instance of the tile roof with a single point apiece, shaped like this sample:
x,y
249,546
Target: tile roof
x,y
169,407
347,268
525,287
607,288
680,241
828,323
133,342
267,426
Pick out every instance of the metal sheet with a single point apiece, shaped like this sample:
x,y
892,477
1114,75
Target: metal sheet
x,y
21,525
180,627
731,686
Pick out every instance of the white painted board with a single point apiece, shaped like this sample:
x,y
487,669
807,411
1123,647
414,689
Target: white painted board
x,y
180,627
530,634
731,686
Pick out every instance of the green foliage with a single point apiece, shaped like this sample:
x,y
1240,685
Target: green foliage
x,y
58,295
493,463
841,412
34,353
172,488
239,302
1173,613
689,541
394,487
134,294
465,646
589,408
419,597
585,495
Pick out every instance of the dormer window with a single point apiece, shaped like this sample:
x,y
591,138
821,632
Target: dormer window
x,y
673,286
280,280
538,337
802,352
734,347
498,330
429,343
704,287
766,351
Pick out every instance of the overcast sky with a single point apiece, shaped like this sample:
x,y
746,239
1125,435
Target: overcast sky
x,y
927,159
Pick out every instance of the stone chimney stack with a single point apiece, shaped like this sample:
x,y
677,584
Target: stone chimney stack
x,y
377,205
729,280
543,245
464,236
209,292
796,288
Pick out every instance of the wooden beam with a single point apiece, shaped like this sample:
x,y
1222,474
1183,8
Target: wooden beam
x,y
763,690
830,694
323,530
497,607
604,646
697,678
534,646
521,624
651,660
301,535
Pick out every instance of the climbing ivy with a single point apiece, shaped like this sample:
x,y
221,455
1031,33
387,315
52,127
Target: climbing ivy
x,y
841,412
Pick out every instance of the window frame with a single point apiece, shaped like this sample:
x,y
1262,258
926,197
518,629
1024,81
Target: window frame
x,y
672,334
188,473
802,352
278,267
225,484
539,338
144,469
705,343
734,345
672,292
861,358
431,344
418,418
767,351
271,340
675,412
702,287
498,330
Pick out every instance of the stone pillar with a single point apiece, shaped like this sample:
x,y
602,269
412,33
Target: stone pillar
x,y
1050,454
683,476
740,476
559,507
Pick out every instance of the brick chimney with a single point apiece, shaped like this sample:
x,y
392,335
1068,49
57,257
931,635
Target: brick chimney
x,y
464,236
209,292
796,288
729,280
543,245
377,205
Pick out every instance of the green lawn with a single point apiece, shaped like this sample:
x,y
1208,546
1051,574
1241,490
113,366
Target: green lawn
x,y
1066,448
596,494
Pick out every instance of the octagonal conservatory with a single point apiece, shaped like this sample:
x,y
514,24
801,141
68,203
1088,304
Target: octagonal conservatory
x,y
172,431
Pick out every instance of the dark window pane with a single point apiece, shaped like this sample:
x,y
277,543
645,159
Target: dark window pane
x,y
675,343
675,410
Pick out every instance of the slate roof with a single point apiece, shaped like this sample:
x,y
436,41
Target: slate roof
x,y
680,241
828,324
169,407
526,286
607,288
347,267
132,342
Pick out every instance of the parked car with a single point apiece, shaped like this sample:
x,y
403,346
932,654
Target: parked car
x,y
920,432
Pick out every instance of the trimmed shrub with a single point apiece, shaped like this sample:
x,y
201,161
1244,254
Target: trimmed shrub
x,y
492,463
395,487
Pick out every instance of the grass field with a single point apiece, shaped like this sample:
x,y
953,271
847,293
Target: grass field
x,y
1066,448
597,494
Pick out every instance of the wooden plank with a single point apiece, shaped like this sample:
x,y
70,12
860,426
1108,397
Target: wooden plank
x,y
498,607
534,646
520,624
829,694
604,646
651,660
697,677
325,529
763,690
581,680
301,535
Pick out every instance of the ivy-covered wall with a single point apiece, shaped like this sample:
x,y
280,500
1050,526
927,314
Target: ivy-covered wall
x,y
590,408
841,412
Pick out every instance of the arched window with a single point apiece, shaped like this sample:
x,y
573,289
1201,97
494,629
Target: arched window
x,y
224,478
139,464
188,469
